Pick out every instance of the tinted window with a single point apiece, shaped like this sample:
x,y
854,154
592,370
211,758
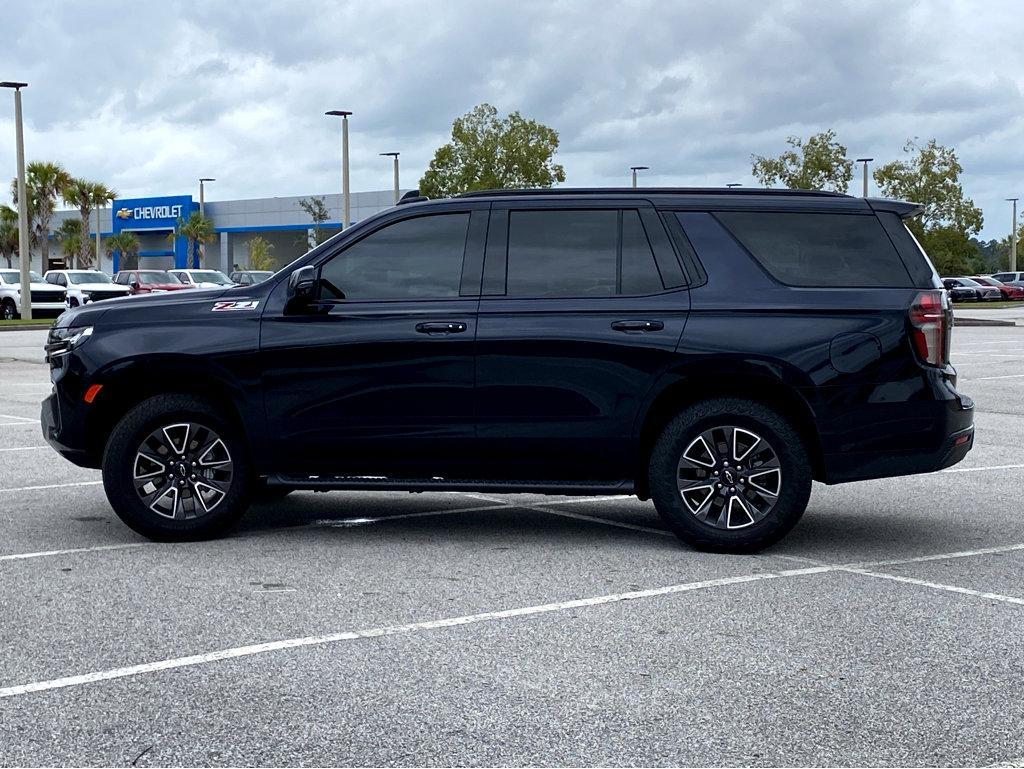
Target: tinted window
x,y
819,249
639,270
155,278
417,258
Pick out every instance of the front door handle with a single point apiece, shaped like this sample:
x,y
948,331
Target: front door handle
x,y
637,326
442,327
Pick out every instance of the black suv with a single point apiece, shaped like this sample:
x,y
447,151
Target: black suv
x,y
712,350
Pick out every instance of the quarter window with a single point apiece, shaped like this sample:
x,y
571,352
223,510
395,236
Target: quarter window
x,y
825,250
417,258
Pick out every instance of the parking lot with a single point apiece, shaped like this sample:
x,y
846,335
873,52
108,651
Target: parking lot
x,y
451,629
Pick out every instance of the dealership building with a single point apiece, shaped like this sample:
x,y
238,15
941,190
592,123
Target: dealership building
x,y
280,221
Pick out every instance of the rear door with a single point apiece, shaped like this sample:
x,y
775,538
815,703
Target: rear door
x,y
582,306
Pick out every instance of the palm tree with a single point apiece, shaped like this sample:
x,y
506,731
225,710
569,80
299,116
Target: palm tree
x,y
85,196
69,235
44,183
260,257
8,233
197,229
128,244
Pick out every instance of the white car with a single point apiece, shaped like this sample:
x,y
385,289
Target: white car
x,y
46,299
86,286
203,278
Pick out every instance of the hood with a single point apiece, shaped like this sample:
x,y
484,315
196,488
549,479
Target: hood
x,y
40,287
141,309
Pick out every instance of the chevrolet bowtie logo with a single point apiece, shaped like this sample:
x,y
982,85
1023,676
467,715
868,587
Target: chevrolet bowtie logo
x,y
124,213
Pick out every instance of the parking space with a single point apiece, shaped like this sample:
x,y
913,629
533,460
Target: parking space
x,y
382,629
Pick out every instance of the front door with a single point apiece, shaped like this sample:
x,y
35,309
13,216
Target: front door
x,y
376,377
582,309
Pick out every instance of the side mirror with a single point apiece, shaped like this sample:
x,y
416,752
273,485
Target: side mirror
x,y
135,285
302,285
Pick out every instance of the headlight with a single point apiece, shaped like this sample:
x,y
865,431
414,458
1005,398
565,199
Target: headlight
x,y
63,340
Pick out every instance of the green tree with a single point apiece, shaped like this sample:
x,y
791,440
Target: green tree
x,y
8,233
69,236
931,176
44,183
486,152
820,163
128,244
86,196
317,210
260,256
196,229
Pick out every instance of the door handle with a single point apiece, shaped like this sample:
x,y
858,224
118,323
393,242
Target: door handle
x,y
637,326
441,327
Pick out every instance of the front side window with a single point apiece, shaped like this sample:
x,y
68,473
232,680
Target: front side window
x,y
824,250
418,258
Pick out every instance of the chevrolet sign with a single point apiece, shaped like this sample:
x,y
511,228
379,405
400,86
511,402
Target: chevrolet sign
x,y
154,212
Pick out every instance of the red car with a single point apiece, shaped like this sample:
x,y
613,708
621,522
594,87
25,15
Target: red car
x,y
149,281
1015,293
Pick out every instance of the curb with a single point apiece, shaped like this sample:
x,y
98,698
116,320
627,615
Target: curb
x,y
958,321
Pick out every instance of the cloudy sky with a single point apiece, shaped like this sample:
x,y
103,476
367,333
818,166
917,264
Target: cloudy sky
x,y
149,96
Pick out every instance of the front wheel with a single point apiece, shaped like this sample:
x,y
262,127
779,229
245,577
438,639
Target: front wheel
x,y
730,475
174,469
8,310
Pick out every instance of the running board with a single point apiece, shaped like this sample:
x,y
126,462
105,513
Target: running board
x,y
380,483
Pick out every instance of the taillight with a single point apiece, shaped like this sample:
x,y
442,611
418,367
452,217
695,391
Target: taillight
x,y
929,321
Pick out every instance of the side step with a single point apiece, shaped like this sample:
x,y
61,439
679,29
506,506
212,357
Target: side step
x,y
382,483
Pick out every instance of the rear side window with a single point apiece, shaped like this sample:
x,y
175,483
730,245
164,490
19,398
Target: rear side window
x,y
569,253
822,250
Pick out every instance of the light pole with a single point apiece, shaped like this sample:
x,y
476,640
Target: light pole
x,y
865,161
634,169
202,212
25,257
343,114
1013,237
395,156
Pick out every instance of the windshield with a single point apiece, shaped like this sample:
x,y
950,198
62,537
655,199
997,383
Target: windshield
x,y
78,278
153,277
989,282
968,282
13,276
210,276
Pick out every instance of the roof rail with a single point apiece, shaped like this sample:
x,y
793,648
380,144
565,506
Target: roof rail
x,y
653,191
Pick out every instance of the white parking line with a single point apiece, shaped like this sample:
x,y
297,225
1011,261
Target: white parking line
x,y
981,469
20,419
379,632
54,486
25,448
344,523
605,521
938,586
22,424
45,553
1004,376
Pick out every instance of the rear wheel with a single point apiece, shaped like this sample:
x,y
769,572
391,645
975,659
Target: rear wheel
x,y
8,310
730,475
174,469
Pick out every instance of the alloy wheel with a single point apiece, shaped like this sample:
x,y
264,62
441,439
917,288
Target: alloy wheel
x,y
182,471
729,477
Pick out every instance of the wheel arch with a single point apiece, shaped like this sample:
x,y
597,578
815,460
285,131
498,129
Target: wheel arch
x,y
754,383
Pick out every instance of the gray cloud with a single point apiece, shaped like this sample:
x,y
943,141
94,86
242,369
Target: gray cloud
x,y
149,96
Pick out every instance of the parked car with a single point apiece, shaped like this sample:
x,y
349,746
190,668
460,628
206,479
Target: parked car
x,y
250,277
84,286
980,293
958,293
47,301
701,348
202,278
149,281
1007,292
1010,278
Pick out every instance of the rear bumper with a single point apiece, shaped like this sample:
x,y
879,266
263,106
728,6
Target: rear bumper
x,y
952,422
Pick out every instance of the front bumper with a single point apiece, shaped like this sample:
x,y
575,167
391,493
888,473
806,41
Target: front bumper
x,y
58,426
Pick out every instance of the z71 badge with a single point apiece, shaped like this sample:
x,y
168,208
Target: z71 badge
x,y
246,304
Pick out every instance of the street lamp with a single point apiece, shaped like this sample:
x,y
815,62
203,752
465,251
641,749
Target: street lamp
x,y
343,114
395,156
25,257
1013,236
865,161
634,169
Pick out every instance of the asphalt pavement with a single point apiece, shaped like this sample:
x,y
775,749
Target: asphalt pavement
x,y
462,629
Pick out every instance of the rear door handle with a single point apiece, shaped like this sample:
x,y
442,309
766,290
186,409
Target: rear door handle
x,y
637,326
441,327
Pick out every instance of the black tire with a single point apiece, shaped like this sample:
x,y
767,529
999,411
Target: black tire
x,y
9,310
794,480
119,468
